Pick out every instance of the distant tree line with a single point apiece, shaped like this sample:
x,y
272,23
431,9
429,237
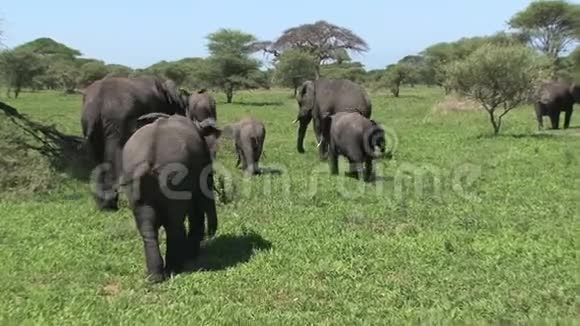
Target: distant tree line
x,y
304,52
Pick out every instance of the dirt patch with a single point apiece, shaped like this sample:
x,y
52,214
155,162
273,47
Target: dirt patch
x,y
112,289
455,104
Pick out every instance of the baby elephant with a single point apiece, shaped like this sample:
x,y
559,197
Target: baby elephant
x,y
249,135
356,137
167,171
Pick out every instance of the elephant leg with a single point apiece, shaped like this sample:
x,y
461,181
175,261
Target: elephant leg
x,y
258,155
250,165
333,159
355,169
368,170
211,214
146,219
107,192
539,115
176,239
196,229
555,119
242,157
239,157
567,117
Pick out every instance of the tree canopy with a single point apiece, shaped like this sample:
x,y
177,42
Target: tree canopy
x,y
499,78
322,40
48,47
229,66
293,67
18,68
549,26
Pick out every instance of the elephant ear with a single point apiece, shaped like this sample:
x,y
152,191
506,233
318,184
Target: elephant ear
x,y
575,91
208,127
174,96
304,89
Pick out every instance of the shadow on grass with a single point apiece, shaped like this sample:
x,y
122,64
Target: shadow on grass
x,y
260,104
519,136
373,180
270,171
65,153
229,250
408,97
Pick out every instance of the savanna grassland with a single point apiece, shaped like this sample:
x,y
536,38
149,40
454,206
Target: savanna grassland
x,y
460,227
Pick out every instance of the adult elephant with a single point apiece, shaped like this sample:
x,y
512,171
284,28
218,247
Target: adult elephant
x,y
324,97
554,98
111,107
201,106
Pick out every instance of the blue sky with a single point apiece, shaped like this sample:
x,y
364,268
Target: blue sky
x,y
138,33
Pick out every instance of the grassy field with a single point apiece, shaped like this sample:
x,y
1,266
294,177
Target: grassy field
x,y
461,227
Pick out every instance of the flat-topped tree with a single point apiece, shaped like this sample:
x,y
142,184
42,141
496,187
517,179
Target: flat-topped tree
x,y
549,26
322,40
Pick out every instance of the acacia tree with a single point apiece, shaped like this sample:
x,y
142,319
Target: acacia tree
x,y
549,26
294,67
322,40
18,69
500,78
395,75
229,65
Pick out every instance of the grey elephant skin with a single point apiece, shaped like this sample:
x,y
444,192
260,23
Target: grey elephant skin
x,y
356,137
111,108
201,106
249,135
554,98
168,174
323,97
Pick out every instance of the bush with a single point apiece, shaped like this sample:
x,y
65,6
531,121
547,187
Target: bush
x,y
498,77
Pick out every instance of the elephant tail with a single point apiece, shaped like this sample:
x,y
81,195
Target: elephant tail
x,y
147,165
140,171
369,106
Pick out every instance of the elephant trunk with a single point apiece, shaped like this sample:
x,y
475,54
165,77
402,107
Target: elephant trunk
x,y
211,215
304,121
210,211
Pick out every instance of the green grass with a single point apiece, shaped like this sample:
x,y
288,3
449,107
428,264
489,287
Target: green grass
x,y
502,249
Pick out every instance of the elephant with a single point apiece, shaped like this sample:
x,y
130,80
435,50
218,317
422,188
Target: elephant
x,y
554,98
321,97
201,106
249,135
358,138
111,107
168,174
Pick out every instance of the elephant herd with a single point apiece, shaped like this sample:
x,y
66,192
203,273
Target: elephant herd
x,y
158,142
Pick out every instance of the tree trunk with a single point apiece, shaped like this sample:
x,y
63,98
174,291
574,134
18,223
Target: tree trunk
x,y
317,72
16,92
295,90
495,123
229,95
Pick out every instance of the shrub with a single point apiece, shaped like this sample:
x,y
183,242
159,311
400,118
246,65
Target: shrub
x,y
500,78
